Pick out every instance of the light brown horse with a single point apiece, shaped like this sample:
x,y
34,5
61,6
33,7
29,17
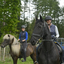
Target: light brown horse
x,y
15,48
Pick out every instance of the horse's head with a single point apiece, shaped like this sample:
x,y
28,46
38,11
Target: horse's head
x,y
40,30
8,39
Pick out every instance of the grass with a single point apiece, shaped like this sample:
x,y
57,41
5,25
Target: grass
x,y
9,61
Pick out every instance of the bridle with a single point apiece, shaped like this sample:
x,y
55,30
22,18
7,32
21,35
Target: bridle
x,y
41,36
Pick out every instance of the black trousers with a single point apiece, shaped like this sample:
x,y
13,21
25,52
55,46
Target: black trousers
x,y
23,49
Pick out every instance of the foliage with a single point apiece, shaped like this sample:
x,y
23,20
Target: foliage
x,y
30,27
9,12
9,16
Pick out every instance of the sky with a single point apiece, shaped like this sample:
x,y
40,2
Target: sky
x,y
61,3
31,15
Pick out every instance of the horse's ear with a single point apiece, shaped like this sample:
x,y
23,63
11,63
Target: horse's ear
x,y
36,18
12,40
8,35
41,18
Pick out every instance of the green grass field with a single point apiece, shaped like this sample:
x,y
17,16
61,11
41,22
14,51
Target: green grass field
x,y
9,61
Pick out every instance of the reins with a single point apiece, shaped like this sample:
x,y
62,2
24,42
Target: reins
x,y
44,40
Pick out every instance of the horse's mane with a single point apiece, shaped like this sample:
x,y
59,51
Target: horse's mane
x,y
11,37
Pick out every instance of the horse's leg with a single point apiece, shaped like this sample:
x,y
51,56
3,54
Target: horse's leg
x,y
15,60
33,56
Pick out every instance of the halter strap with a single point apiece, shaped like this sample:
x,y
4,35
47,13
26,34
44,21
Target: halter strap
x,y
35,34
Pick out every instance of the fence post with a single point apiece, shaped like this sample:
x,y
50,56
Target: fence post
x,y
0,53
4,54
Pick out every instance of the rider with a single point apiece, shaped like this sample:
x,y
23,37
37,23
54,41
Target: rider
x,y
23,36
54,33
53,28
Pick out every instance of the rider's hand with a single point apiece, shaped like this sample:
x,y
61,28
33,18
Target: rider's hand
x,y
53,37
18,39
23,40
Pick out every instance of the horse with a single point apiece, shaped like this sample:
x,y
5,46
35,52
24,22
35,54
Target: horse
x,y
15,51
48,52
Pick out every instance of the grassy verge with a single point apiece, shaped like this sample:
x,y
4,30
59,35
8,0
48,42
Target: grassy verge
x,y
9,61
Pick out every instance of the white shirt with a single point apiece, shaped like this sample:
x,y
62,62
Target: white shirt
x,y
57,32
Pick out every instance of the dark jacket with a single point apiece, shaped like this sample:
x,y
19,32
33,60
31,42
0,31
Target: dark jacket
x,y
23,35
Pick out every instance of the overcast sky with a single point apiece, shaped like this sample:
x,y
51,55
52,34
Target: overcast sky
x,y
31,8
61,3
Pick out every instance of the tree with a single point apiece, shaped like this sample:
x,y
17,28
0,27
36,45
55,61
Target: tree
x,y
9,13
10,10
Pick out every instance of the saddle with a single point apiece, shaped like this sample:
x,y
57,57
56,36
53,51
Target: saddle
x,y
61,51
59,47
22,46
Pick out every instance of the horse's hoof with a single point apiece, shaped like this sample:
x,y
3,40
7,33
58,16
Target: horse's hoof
x,y
36,62
19,58
23,60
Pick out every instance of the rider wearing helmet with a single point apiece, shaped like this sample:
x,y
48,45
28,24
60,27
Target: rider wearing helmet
x,y
53,28
23,36
54,34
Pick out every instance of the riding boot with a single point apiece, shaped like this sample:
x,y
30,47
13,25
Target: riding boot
x,y
21,51
24,56
24,51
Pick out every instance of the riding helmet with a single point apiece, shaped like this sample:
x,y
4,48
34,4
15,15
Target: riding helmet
x,y
23,26
48,18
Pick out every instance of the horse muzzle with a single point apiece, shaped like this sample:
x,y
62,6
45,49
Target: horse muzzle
x,y
2,46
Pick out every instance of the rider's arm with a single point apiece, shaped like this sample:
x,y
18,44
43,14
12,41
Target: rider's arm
x,y
26,36
57,32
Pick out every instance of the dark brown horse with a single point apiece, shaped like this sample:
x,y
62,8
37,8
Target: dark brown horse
x,y
48,53
15,48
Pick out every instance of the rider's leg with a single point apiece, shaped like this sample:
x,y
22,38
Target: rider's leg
x,y
24,51
21,48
